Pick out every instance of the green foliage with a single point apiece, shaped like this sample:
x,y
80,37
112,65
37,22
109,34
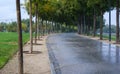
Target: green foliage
x,y
9,45
106,29
72,12
24,27
12,26
107,37
1,28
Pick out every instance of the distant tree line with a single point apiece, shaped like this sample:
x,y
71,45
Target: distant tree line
x,y
12,26
106,29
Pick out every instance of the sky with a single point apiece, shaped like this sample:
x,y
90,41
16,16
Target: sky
x,y
8,12
113,17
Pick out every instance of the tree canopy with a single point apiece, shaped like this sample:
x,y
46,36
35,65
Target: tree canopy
x,y
85,14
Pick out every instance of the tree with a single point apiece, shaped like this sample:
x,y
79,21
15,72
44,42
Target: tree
x,y
84,14
26,22
11,27
31,38
1,28
36,20
20,53
99,7
117,21
24,27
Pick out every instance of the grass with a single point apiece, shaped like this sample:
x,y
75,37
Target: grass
x,y
113,37
107,37
9,45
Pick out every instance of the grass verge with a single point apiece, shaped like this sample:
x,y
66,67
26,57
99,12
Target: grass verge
x,y
9,45
107,37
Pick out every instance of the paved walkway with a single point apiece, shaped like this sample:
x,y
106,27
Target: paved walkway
x,y
35,63
73,54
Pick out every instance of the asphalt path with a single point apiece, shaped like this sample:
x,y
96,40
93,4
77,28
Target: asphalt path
x,y
70,53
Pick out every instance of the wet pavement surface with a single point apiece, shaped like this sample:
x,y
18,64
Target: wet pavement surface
x,y
71,54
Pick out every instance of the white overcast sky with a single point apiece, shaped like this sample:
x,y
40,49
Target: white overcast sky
x,y
113,17
8,12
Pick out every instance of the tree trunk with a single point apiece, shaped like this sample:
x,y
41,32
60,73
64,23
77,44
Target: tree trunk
x,y
88,23
66,27
78,28
35,22
84,24
46,31
20,53
86,28
55,27
109,20
60,27
81,26
101,26
78,24
31,38
38,28
94,27
52,26
117,22
42,27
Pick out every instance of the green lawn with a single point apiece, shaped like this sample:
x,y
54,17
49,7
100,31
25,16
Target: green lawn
x,y
9,45
107,37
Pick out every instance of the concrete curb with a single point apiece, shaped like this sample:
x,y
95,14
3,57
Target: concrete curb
x,y
51,64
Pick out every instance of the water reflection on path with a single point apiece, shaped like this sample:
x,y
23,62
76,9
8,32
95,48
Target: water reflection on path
x,y
72,54
110,53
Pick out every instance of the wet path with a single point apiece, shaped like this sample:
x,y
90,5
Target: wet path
x,y
71,54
